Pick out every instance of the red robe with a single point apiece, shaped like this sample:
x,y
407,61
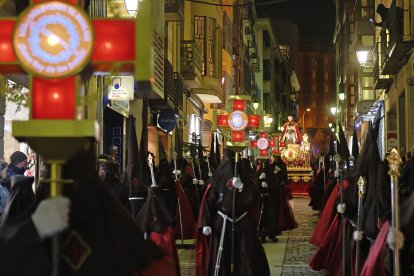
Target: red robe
x,y
188,224
374,265
327,216
202,243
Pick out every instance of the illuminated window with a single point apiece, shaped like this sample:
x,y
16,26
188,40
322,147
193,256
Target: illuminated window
x,y
195,123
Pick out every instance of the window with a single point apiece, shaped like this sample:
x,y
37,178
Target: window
x,y
326,75
195,123
313,74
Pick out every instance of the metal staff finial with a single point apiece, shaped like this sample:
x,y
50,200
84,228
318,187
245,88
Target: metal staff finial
x,y
150,164
394,161
358,234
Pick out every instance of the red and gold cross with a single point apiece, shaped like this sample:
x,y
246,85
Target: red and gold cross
x,y
263,144
238,121
53,41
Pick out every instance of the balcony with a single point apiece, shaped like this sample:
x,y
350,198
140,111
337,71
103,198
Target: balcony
x,y
178,90
190,63
397,38
380,81
167,101
174,10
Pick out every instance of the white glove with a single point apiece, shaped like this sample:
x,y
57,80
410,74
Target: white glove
x,y
262,175
195,181
51,216
207,231
178,172
395,239
341,208
201,182
237,183
264,184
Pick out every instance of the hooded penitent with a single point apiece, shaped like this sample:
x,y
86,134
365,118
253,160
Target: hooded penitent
x,y
102,239
136,175
215,212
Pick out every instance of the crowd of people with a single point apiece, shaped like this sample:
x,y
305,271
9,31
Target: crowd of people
x,y
113,222
355,234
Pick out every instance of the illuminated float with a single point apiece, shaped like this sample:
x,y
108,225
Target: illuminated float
x,y
295,151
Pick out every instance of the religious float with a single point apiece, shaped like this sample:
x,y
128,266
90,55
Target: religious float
x,y
295,151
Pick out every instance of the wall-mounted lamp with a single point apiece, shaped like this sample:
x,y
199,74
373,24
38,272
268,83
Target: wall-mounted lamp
x,y
362,55
131,7
341,96
255,105
330,125
333,110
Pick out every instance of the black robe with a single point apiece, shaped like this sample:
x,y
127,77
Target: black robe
x,y
102,238
249,257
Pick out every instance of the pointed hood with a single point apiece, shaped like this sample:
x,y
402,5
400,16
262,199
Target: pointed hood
x,y
161,151
343,149
178,146
134,176
144,136
332,150
355,148
212,153
217,151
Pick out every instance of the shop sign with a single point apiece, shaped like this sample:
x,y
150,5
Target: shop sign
x,y
121,88
167,120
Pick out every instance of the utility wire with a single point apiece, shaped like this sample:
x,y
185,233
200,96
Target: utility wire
x,y
239,5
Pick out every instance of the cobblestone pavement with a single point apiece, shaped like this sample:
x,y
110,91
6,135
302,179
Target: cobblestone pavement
x,y
288,257
298,250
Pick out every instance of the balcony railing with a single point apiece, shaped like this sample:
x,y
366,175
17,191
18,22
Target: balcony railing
x,y
380,81
174,10
397,37
178,90
167,101
190,63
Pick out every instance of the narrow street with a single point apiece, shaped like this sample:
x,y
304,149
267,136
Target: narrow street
x,y
289,256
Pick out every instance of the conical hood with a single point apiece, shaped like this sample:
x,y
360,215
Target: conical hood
x,y
178,146
212,154
144,136
217,151
332,150
355,148
343,149
161,151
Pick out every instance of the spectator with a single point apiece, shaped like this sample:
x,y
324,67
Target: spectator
x,y
385,16
17,166
4,187
407,176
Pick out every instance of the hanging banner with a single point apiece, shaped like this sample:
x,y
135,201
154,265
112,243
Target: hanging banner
x,y
121,88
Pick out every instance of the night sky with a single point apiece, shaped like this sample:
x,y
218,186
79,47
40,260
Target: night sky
x,y
315,18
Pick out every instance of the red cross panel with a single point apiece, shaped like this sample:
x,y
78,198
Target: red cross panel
x,y
55,98
263,144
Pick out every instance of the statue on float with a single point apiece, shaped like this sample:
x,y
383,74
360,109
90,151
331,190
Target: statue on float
x,y
291,133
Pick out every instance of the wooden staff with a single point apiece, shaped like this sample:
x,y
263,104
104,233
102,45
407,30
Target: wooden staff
x,y
394,161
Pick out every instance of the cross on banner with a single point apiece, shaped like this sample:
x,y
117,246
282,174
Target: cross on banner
x,y
263,144
53,41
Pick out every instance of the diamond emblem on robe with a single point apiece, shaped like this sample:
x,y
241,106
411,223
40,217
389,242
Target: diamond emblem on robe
x,y
75,250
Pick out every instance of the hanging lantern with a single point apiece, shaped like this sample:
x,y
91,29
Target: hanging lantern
x,y
239,105
237,136
271,143
222,120
254,121
263,152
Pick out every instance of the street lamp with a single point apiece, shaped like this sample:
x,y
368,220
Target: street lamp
x,y
131,7
303,119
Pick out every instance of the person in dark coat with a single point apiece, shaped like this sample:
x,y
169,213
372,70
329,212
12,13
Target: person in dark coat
x,y
108,172
17,166
102,238
21,201
214,238
4,186
407,176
